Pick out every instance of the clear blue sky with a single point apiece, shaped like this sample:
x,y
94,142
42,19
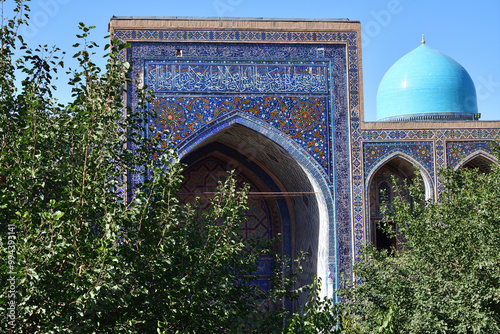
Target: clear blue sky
x,y
468,31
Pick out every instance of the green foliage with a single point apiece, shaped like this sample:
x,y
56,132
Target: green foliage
x,y
85,259
318,315
445,275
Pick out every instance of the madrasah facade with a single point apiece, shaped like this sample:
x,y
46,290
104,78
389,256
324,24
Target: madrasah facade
x,y
281,103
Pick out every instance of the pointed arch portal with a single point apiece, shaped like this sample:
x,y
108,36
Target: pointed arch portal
x,y
282,103
396,170
296,208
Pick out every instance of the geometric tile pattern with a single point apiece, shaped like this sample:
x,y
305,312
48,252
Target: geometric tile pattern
x,y
457,150
317,122
230,36
422,152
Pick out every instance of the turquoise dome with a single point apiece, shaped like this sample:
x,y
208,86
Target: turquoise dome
x,y
426,85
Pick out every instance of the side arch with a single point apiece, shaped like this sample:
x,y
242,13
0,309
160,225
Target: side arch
x,y
428,181
378,191
480,159
231,131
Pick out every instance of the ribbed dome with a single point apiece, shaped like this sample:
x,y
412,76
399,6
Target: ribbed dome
x,y
426,85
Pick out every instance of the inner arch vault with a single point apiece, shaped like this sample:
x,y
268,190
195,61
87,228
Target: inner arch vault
x,y
301,214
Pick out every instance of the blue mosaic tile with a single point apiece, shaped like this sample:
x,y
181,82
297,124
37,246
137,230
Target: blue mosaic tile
x,y
316,140
304,120
422,152
458,150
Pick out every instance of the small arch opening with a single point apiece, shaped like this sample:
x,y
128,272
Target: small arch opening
x,y
479,162
397,172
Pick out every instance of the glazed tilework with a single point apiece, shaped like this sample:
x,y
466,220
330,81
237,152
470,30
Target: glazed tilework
x,y
341,232
312,145
321,130
234,76
450,147
302,119
458,150
232,36
374,153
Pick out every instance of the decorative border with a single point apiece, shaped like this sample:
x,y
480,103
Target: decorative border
x,y
240,77
456,151
431,117
260,36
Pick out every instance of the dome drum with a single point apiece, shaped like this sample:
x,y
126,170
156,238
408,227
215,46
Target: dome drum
x,y
431,117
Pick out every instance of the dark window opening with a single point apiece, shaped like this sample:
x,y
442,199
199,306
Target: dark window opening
x,y
397,172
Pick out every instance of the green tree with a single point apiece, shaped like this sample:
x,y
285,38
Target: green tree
x,y
445,275
318,315
82,257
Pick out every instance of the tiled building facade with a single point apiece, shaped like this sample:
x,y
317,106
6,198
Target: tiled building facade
x,y
281,102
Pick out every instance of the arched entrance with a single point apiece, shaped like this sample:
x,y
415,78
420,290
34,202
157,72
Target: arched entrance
x,y
285,199
397,172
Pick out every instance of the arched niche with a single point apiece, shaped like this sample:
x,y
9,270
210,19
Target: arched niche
x,y
397,168
295,202
480,160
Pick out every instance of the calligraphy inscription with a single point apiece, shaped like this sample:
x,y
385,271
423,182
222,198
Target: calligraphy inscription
x,y
237,77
